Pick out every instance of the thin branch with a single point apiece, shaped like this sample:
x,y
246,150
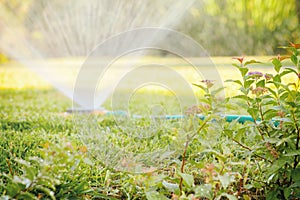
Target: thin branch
x,y
183,162
249,149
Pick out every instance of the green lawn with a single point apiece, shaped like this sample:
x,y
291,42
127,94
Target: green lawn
x,y
45,153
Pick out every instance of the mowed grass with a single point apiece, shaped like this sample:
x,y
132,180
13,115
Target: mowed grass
x,y
28,92
32,111
32,115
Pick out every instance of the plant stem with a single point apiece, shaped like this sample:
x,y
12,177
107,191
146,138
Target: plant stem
x,y
298,139
256,125
249,149
183,162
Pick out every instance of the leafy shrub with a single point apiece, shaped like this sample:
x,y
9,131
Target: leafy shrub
x,y
56,173
275,108
254,160
258,159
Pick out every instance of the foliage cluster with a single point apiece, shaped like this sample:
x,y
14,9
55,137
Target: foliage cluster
x,y
42,158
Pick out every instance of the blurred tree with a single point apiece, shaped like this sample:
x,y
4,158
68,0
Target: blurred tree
x,y
223,27
298,9
232,27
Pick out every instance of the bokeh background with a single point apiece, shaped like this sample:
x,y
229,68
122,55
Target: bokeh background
x,y
222,27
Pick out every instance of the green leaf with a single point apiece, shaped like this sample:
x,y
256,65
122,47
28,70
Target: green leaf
x,y
216,91
236,65
277,64
235,81
285,139
171,187
226,179
287,192
154,195
277,78
30,173
187,179
293,153
202,87
243,71
46,181
204,191
242,96
81,187
23,162
272,195
261,83
269,114
253,112
272,91
26,195
296,175
229,196
283,96
248,83
291,70
13,188
47,191
251,62
278,164
216,153
294,59
295,185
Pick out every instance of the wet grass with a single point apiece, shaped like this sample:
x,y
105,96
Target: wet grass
x,y
33,123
